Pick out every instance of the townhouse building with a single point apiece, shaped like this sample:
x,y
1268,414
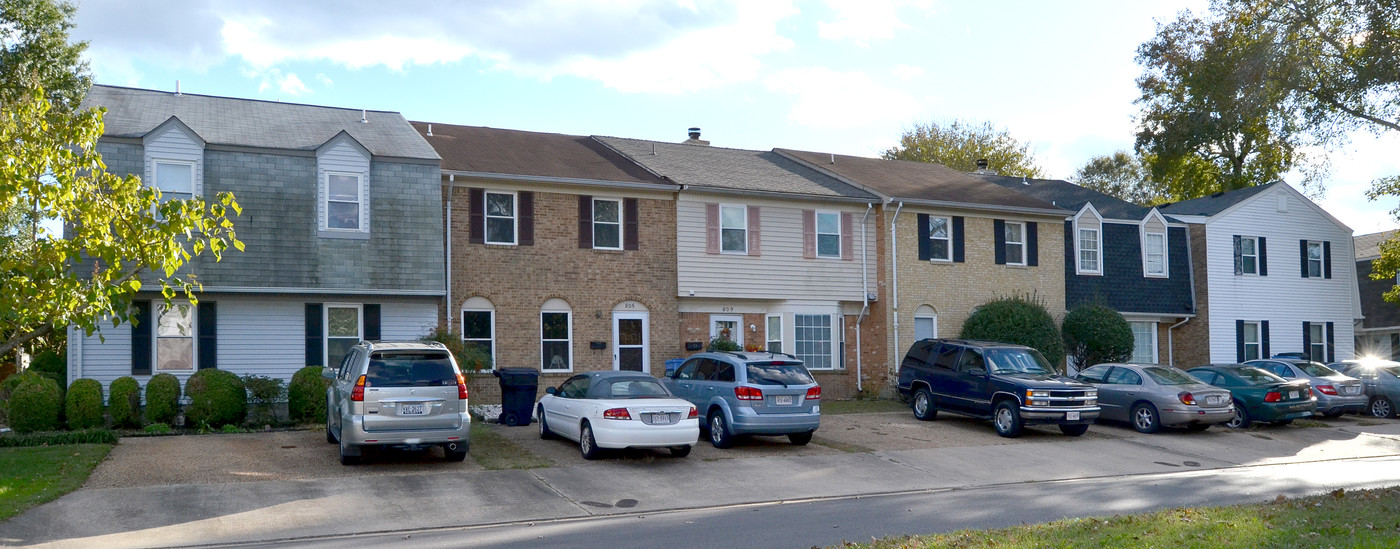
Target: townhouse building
x,y
1273,272
341,211
1124,256
1378,334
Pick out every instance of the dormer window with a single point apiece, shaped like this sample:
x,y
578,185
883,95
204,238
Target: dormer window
x,y
343,201
174,178
1088,241
343,189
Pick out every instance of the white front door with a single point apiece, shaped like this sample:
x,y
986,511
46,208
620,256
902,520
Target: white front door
x,y
730,327
631,343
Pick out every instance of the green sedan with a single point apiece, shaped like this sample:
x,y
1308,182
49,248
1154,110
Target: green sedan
x,y
1259,395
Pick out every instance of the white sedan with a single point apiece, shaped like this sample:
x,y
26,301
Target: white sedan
x,y
604,410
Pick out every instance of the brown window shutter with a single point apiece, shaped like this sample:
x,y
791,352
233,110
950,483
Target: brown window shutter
x,y
477,203
629,224
585,221
754,236
847,239
809,234
527,218
712,228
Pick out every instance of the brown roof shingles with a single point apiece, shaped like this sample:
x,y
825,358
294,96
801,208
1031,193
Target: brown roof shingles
x,y
515,152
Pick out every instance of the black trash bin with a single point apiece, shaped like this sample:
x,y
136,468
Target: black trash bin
x,y
518,387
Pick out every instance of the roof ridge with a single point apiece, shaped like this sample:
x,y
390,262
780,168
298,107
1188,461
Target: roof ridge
x,y
268,101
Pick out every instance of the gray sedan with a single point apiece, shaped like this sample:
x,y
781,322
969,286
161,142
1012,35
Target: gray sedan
x,y
1150,396
1336,393
1381,379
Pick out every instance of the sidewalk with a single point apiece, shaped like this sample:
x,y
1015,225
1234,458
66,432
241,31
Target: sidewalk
x,y
252,511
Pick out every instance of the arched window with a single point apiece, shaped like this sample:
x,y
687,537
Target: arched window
x,y
556,336
479,325
925,322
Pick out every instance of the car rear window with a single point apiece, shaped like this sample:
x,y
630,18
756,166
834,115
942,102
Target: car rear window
x,y
1317,370
1169,376
779,373
1256,376
635,388
410,369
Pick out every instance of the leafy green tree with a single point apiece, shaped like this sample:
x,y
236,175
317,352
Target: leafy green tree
x,y
1095,334
959,144
1020,320
1121,175
35,50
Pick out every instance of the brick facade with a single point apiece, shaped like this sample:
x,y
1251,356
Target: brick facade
x,y
1191,342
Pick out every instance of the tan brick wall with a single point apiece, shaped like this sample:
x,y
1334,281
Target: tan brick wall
x,y
955,289
519,279
1192,340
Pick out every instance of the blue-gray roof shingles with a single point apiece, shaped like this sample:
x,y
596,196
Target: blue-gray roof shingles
x,y
1069,196
702,167
253,123
1215,203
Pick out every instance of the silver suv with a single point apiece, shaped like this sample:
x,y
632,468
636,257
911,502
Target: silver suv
x,y
406,394
749,394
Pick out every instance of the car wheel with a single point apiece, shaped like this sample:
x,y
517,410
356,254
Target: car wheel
x,y
544,427
1241,419
924,409
1197,427
680,451
800,439
1007,419
1074,429
460,454
587,445
1381,407
720,436
349,455
1145,418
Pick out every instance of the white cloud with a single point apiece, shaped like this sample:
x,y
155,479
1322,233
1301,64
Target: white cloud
x,y
324,80
865,21
273,78
831,99
907,73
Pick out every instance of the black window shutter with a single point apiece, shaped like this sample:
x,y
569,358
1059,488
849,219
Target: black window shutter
x,y
1032,244
1395,346
527,218
1303,256
1264,339
207,314
925,246
315,332
1331,344
1307,338
585,221
477,234
372,322
999,236
1263,258
1239,258
1239,341
630,223
1326,259
141,329
957,239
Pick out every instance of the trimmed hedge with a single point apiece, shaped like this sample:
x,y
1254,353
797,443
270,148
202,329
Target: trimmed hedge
x,y
54,438
1019,320
217,398
124,402
36,404
1095,334
306,395
83,404
162,398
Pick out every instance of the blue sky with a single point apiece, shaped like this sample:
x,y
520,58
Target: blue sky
x,y
826,75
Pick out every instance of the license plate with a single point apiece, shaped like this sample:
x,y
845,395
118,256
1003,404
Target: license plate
x,y
1214,400
1351,390
412,410
783,400
1293,394
1072,416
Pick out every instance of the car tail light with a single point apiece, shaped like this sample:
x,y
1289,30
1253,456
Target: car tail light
x,y
358,393
1273,396
1186,397
814,393
461,387
693,413
748,393
1327,389
616,413
1307,393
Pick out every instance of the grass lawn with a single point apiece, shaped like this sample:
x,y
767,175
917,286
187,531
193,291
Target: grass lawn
x,y
1368,518
35,475
494,451
862,406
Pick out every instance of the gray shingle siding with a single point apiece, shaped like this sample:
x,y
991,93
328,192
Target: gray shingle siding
x,y
1122,287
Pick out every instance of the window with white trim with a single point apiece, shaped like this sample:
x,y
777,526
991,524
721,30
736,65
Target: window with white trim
x,y
1015,233
556,336
1314,259
344,201
1249,255
829,234
479,330
500,218
174,178
1144,342
1317,341
344,326
734,229
1089,256
175,337
774,333
1250,336
812,340
940,236
1154,253
607,224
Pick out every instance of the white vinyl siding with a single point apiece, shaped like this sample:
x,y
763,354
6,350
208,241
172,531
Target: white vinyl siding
x,y
785,274
341,158
173,149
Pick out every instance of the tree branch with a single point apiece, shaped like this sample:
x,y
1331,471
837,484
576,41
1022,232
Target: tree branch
x,y
20,339
1354,112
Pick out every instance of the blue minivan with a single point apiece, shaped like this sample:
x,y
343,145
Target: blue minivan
x,y
754,393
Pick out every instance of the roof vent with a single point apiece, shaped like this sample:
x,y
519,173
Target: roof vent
x,y
694,133
983,167
177,88
430,130
364,118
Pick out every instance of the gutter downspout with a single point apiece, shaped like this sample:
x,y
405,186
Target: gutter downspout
x,y
447,311
1171,348
894,272
864,294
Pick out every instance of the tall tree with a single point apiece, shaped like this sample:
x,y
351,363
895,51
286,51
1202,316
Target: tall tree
x,y
35,50
1120,175
959,144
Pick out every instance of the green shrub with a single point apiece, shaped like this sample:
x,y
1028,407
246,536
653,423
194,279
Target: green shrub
x,y
53,438
217,398
83,404
36,404
263,394
51,364
720,343
1095,334
162,398
158,429
124,402
470,358
7,386
306,396
1019,320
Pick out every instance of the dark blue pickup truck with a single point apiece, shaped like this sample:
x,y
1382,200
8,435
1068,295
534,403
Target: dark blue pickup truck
x,y
1012,385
